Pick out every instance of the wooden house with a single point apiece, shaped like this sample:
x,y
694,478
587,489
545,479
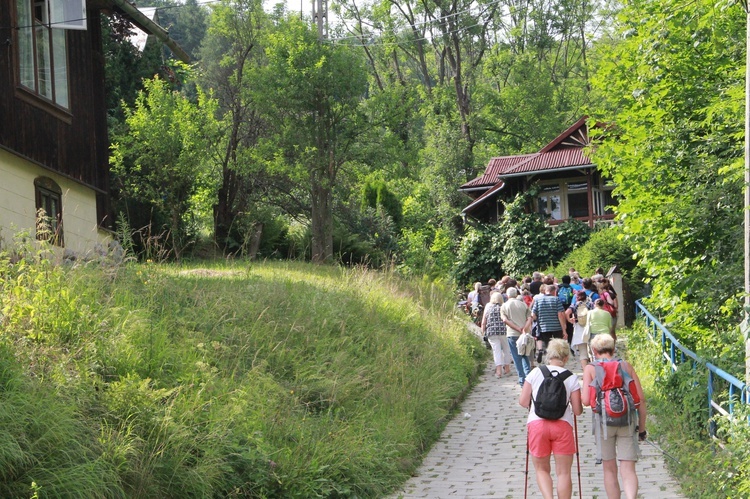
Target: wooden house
x,y
54,147
569,184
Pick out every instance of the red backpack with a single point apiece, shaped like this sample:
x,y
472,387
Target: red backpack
x,y
613,394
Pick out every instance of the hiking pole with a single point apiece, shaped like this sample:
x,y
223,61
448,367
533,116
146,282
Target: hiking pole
x,y
662,451
526,473
578,459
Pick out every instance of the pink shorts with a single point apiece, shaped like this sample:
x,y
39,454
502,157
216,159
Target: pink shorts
x,y
551,437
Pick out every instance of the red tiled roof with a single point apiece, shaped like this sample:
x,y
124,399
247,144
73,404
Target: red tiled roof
x,y
565,151
552,160
496,167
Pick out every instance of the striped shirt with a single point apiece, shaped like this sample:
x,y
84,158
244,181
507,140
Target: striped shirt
x,y
545,308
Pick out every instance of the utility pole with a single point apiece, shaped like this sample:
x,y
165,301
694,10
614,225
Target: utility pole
x,y
746,322
320,16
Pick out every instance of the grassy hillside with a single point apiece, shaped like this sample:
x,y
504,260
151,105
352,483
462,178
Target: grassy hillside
x,y
239,380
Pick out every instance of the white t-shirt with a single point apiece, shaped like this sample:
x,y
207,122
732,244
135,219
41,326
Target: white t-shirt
x,y
535,377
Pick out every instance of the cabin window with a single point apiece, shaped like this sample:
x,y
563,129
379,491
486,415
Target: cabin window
x,y
578,199
42,49
49,206
548,202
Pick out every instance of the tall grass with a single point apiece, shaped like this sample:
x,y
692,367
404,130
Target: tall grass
x,y
237,380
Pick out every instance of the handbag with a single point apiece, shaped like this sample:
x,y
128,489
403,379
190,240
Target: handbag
x,y
586,333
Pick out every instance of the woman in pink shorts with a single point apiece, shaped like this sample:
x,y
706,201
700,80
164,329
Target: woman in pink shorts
x,y
552,436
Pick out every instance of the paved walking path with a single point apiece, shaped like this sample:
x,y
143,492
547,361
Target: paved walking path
x,y
482,452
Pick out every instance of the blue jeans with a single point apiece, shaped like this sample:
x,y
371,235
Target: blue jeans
x,y
522,362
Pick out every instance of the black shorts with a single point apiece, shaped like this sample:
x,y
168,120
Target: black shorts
x,y
545,336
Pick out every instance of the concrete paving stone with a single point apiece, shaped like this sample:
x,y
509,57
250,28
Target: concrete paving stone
x,y
483,455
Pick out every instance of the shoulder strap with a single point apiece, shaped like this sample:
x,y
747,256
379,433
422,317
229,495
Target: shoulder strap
x,y
563,375
545,370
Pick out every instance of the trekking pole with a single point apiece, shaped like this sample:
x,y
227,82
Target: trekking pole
x,y
662,451
578,459
526,473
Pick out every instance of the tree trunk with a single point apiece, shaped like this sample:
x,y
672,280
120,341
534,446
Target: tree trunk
x,y
255,237
322,219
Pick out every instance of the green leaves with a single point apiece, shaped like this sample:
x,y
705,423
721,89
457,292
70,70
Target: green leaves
x,y
160,163
676,100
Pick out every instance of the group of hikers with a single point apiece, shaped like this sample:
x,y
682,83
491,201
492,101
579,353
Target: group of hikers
x,y
544,322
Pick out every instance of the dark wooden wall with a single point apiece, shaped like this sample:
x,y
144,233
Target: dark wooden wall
x,y
75,145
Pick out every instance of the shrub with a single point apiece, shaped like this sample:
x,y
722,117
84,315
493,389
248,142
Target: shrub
x,y
480,255
519,244
678,419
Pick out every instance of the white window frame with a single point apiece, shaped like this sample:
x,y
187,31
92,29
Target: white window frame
x,y
561,191
68,14
42,50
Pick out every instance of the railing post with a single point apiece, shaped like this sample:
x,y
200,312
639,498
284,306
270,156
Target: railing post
x,y
672,356
711,422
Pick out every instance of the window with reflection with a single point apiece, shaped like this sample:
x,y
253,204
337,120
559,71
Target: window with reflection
x,y
49,207
42,48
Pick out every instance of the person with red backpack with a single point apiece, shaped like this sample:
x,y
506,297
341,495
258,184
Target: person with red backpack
x,y
613,391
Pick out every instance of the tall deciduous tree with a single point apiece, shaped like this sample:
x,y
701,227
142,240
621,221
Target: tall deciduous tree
x,y
231,56
312,93
674,91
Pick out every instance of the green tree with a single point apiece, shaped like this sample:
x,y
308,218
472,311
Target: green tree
x,y
159,163
312,93
232,55
673,91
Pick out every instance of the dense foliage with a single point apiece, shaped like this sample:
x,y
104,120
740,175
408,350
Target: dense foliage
x,y
673,92
678,402
672,86
521,243
138,380
415,96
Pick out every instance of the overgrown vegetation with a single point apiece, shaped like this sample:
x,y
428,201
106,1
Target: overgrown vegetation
x,y
239,380
679,406
520,243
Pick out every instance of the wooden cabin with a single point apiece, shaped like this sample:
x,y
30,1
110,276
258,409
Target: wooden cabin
x,y
54,147
570,185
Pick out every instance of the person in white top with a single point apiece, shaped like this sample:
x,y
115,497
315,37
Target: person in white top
x,y
552,436
517,317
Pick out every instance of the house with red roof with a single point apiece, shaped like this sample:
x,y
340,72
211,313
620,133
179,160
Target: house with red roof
x,y
569,184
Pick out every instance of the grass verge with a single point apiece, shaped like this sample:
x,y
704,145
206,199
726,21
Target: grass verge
x,y
237,380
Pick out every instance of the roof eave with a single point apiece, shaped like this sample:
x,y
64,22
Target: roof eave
x,y
548,170
484,197
478,188
149,26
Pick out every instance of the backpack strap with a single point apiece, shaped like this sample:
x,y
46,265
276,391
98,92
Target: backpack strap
x,y
561,375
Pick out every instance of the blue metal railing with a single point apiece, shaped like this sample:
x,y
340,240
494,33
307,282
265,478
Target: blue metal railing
x,y
674,352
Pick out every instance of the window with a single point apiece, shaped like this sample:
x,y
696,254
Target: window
x,y
578,199
49,204
548,202
42,45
